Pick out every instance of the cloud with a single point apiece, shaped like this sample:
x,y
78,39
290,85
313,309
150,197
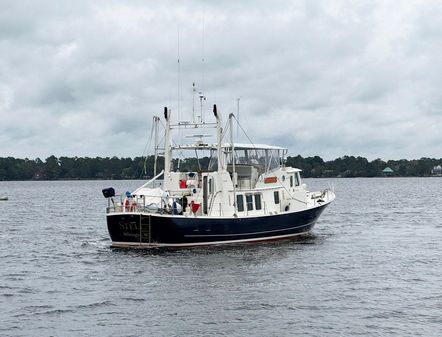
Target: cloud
x,y
324,78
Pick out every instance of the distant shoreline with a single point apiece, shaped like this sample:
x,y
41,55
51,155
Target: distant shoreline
x,y
140,168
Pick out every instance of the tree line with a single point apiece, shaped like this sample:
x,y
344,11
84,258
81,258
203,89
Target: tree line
x,y
64,168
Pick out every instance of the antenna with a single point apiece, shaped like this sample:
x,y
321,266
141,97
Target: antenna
x,y
193,102
179,82
237,114
202,50
179,75
202,99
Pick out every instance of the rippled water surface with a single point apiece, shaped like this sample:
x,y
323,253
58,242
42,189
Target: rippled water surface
x,y
372,266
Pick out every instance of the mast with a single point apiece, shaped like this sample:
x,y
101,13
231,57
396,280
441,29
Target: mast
x,y
156,120
167,142
233,162
219,136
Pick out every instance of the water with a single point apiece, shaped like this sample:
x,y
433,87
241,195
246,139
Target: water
x,y
371,268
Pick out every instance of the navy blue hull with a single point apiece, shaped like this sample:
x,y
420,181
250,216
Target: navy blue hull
x,y
139,229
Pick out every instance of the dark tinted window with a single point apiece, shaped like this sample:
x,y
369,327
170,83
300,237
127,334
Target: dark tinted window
x,y
249,200
258,201
276,197
297,179
240,203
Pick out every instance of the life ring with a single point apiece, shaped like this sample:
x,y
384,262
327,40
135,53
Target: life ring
x,y
129,206
126,204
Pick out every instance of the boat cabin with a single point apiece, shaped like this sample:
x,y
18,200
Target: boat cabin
x,y
253,181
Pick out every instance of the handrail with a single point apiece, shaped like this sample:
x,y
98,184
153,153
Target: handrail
x,y
291,196
212,200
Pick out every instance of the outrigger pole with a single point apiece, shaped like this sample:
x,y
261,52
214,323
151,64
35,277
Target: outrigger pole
x,y
219,138
167,147
233,163
156,121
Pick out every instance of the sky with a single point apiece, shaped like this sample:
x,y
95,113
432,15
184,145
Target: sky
x,y
327,78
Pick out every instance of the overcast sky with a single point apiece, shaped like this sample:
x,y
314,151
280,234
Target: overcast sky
x,y
327,78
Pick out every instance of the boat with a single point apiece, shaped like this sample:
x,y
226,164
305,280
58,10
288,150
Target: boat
x,y
246,194
4,198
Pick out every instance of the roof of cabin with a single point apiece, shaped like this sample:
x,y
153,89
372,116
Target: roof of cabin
x,y
253,146
238,146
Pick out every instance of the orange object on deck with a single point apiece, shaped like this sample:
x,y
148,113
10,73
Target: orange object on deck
x,y
270,180
183,183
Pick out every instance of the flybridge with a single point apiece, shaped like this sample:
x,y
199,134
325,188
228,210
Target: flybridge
x,y
266,156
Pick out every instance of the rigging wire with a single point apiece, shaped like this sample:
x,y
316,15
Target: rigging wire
x,y
225,129
146,149
198,161
224,133
251,142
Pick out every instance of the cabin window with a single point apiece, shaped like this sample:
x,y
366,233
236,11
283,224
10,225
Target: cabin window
x,y
291,181
257,202
210,186
276,197
240,203
205,205
249,201
297,179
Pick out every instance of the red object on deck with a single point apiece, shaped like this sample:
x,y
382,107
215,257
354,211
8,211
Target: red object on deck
x,y
126,204
194,207
183,183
